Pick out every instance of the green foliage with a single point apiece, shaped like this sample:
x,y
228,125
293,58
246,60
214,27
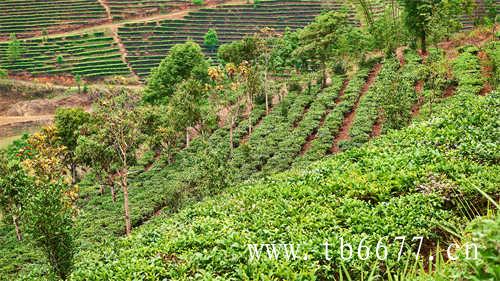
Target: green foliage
x,y
198,2
387,32
60,60
433,18
14,185
184,61
3,73
50,225
211,39
239,51
329,38
372,190
68,122
14,48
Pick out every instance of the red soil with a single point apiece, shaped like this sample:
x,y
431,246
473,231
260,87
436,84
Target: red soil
x,y
400,55
419,87
377,127
314,134
450,91
349,118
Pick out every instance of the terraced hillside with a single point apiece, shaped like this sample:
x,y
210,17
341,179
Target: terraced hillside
x,y
89,55
148,42
31,17
122,9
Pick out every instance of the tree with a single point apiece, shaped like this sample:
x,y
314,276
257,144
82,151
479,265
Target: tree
x,y
60,60
14,48
211,39
185,105
50,223
227,93
3,73
435,72
422,17
14,184
267,43
237,52
100,157
325,39
49,207
43,157
116,116
252,85
68,122
183,62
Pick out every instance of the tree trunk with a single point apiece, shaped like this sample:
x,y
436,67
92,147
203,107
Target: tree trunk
x,y
423,42
112,188
323,82
73,173
250,121
231,134
187,137
267,93
126,207
16,225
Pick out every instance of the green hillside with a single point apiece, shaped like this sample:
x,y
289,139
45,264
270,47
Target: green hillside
x,y
367,192
252,140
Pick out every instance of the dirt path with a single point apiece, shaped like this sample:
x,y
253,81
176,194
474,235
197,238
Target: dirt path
x,y
123,51
349,118
419,88
104,4
15,125
400,55
450,91
377,127
314,133
486,72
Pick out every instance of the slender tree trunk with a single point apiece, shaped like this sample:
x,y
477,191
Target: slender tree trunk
x,y
126,207
231,133
250,121
73,173
267,92
112,188
187,137
423,41
101,185
323,82
16,225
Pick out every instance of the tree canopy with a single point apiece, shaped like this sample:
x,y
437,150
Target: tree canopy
x,y
184,61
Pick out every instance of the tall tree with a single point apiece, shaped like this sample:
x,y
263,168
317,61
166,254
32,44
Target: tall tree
x,y
50,223
425,17
227,93
14,48
211,39
185,106
237,52
117,117
49,204
325,39
184,61
14,184
100,157
68,122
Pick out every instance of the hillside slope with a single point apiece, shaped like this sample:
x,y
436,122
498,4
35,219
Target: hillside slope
x,y
372,189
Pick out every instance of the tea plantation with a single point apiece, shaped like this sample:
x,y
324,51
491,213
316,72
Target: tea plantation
x,y
252,140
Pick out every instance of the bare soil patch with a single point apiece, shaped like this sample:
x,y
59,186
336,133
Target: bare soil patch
x,y
349,118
